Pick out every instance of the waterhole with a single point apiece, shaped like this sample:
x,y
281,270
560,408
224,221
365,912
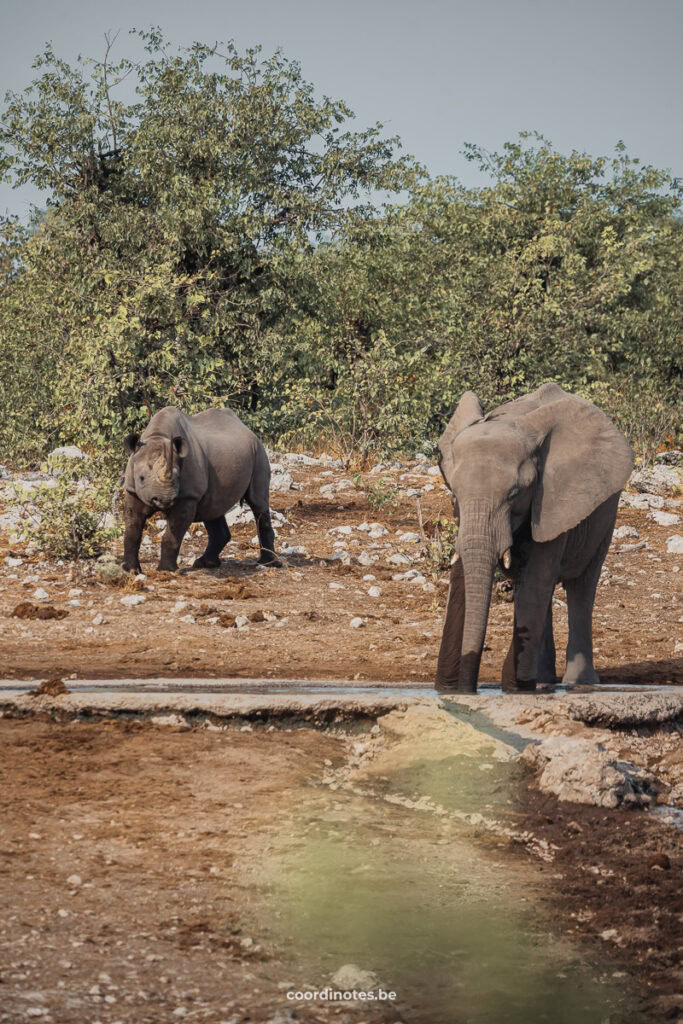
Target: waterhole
x,y
399,863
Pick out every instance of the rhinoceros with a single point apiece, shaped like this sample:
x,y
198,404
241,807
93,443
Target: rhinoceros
x,y
194,469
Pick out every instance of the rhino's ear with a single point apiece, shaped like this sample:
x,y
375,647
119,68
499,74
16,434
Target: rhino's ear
x,y
181,446
131,443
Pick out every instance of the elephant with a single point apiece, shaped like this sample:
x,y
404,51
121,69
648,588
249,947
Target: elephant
x,y
535,486
194,469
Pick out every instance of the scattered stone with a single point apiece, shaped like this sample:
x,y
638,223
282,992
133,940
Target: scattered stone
x,y
622,532
428,588
289,550
674,544
13,563
336,586
664,518
582,772
377,530
188,618
27,610
179,606
624,549
75,881
369,578
108,569
350,977
374,592
39,594
398,559
280,479
357,623
70,451
242,622
341,531
98,619
409,538
642,501
365,558
670,458
657,479
131,600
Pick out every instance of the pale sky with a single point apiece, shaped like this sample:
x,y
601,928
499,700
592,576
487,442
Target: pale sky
x,y
439,73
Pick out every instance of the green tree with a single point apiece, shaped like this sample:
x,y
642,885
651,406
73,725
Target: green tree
x,y
178,227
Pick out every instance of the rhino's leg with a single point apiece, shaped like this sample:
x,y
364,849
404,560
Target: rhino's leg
x,y
135,514
219,535
257,498
178,518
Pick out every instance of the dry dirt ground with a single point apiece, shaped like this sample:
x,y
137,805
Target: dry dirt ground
x,y
135,863
312,600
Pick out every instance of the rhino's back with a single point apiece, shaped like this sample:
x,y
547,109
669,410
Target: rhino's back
x,y
232,454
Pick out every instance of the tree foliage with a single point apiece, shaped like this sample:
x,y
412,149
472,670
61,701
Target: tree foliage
x,y
213,242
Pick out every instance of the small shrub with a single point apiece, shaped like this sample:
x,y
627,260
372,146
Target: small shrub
x,y
383,494
440,547
72,517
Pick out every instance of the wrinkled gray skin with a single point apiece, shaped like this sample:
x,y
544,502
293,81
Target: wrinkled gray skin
x,y
535,485
194,469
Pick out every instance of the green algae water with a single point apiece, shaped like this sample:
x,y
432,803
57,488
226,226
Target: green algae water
x,y
388,873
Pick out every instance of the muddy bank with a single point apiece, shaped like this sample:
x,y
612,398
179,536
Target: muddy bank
x,y
207,869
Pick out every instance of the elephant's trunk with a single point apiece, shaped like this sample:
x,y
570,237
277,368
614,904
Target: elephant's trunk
x,y
478,550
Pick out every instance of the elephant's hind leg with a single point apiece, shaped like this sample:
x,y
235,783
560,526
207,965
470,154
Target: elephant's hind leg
x,y
580,601
219,535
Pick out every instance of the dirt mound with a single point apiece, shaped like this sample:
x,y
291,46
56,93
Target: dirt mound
x,y
28,610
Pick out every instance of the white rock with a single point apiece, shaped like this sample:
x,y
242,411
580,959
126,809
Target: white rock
x,y
659,479
369,578
642,501
357,623
179,606
434,471
664,518
366,559
364,527
346,485
75,592
239,516
74,880
327,491
409,538
398,559
280,479
289,550
13,563
428,588
188,618
40,594
336,586
131,600
674,544
350,977
625,531
413,492
98,620
241,621
428,487
377,530
75,603
374,592
341,531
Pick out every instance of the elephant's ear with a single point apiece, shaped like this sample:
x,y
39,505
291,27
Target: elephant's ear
x,y
468,411
583,460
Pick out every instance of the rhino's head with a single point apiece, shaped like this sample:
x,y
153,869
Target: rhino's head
x,y
156,467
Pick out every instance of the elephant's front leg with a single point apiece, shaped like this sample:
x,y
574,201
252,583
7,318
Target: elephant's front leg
x,y
178,519
531,656
135,515
450,652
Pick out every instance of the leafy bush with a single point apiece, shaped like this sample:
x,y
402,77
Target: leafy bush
x,y
72,517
